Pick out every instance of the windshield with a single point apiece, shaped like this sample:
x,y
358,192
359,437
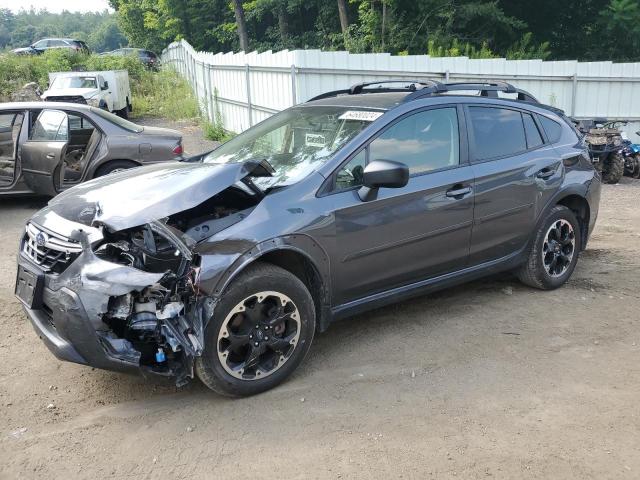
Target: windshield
x,y
74,82
295,142
121,122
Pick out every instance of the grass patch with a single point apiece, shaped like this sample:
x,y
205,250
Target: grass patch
x,y
215,132
164,94
159,94
156,94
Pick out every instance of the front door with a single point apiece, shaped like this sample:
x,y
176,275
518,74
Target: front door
x,y
42,155
516,173
407,234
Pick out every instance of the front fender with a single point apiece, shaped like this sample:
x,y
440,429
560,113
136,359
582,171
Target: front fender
x,y
219,267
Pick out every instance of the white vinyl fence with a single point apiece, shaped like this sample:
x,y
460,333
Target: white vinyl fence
x,y
245,88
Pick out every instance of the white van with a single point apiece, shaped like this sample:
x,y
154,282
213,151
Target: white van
x,y
109,89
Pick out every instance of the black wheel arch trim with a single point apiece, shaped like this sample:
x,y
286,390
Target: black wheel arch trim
x,y
299,244
574,190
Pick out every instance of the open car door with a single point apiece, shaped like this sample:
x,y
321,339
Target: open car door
x,y
43,153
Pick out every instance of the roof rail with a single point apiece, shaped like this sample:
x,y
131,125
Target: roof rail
x,y
425,88
486,89
359,88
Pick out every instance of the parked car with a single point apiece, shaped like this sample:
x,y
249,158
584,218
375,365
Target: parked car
x,y
228,264
53,43
108,89
147,57
45,148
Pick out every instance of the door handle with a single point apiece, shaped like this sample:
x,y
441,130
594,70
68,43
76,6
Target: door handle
x,y
545,173
458,191
51,155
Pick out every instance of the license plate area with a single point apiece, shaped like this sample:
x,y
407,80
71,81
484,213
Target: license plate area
x,y
29,285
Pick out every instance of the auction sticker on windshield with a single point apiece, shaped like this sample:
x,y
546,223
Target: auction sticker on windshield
x,y
362,115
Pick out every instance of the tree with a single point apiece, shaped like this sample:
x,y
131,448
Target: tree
x,y
241,24
344,18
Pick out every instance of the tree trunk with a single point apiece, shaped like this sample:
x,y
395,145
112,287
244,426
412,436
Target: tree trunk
x,y
384,23
283,24
344,20
242,25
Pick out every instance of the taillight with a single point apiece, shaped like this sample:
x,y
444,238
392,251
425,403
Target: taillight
x,y
177,150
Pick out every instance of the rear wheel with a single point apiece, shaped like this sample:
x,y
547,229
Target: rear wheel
x,y
554,253
114,166
261,330
613,169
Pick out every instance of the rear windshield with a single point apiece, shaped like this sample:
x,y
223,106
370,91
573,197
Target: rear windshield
x,y
121,122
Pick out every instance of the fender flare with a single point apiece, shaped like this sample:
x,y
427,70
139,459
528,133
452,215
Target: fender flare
x,y
301,244
578,190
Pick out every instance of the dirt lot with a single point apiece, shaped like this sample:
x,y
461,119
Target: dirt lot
x,y
487,380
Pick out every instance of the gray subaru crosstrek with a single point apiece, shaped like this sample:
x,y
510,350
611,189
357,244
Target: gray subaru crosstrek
x,y
226,265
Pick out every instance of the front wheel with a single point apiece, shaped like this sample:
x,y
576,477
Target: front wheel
x,y
261,330
554,252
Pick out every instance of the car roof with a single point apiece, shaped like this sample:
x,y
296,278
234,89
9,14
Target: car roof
x,y
380,101
41,105
388,100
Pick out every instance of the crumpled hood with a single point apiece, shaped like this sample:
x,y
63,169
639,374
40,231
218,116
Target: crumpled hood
x,y
139,195
70,92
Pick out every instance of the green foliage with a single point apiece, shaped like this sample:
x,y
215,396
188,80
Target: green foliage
x,y
215,131
456,49
99,29
164,94
526,49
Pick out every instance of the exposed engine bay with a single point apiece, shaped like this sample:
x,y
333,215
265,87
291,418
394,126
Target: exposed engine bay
x,y
161,325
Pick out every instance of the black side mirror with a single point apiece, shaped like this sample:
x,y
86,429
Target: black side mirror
x,y
382,174
105,85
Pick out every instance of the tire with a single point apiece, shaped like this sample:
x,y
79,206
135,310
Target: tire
x,y
124,113
635,173
535,272
227,372
114,166
613,170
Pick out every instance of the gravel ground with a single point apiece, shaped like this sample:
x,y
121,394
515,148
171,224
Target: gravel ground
x,y
487,380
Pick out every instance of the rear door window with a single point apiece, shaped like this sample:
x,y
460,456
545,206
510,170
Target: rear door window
x,y
498,132
51,126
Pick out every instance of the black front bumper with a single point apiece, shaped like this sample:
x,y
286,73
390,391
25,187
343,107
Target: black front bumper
x,y
64,326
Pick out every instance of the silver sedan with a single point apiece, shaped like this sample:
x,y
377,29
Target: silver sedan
x,y
48,147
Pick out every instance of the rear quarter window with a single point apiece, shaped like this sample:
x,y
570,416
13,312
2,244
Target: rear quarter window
x,y
552,128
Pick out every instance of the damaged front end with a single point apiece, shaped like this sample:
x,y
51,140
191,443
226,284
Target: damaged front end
x,y
106,294
146,298
129,303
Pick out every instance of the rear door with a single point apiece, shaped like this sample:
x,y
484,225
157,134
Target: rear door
x,y
412,233
515,173
43,153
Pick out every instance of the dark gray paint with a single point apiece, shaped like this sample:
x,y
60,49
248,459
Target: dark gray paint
x,y
407,241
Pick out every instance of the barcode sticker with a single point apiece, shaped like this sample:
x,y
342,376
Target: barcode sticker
x,y
362,115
